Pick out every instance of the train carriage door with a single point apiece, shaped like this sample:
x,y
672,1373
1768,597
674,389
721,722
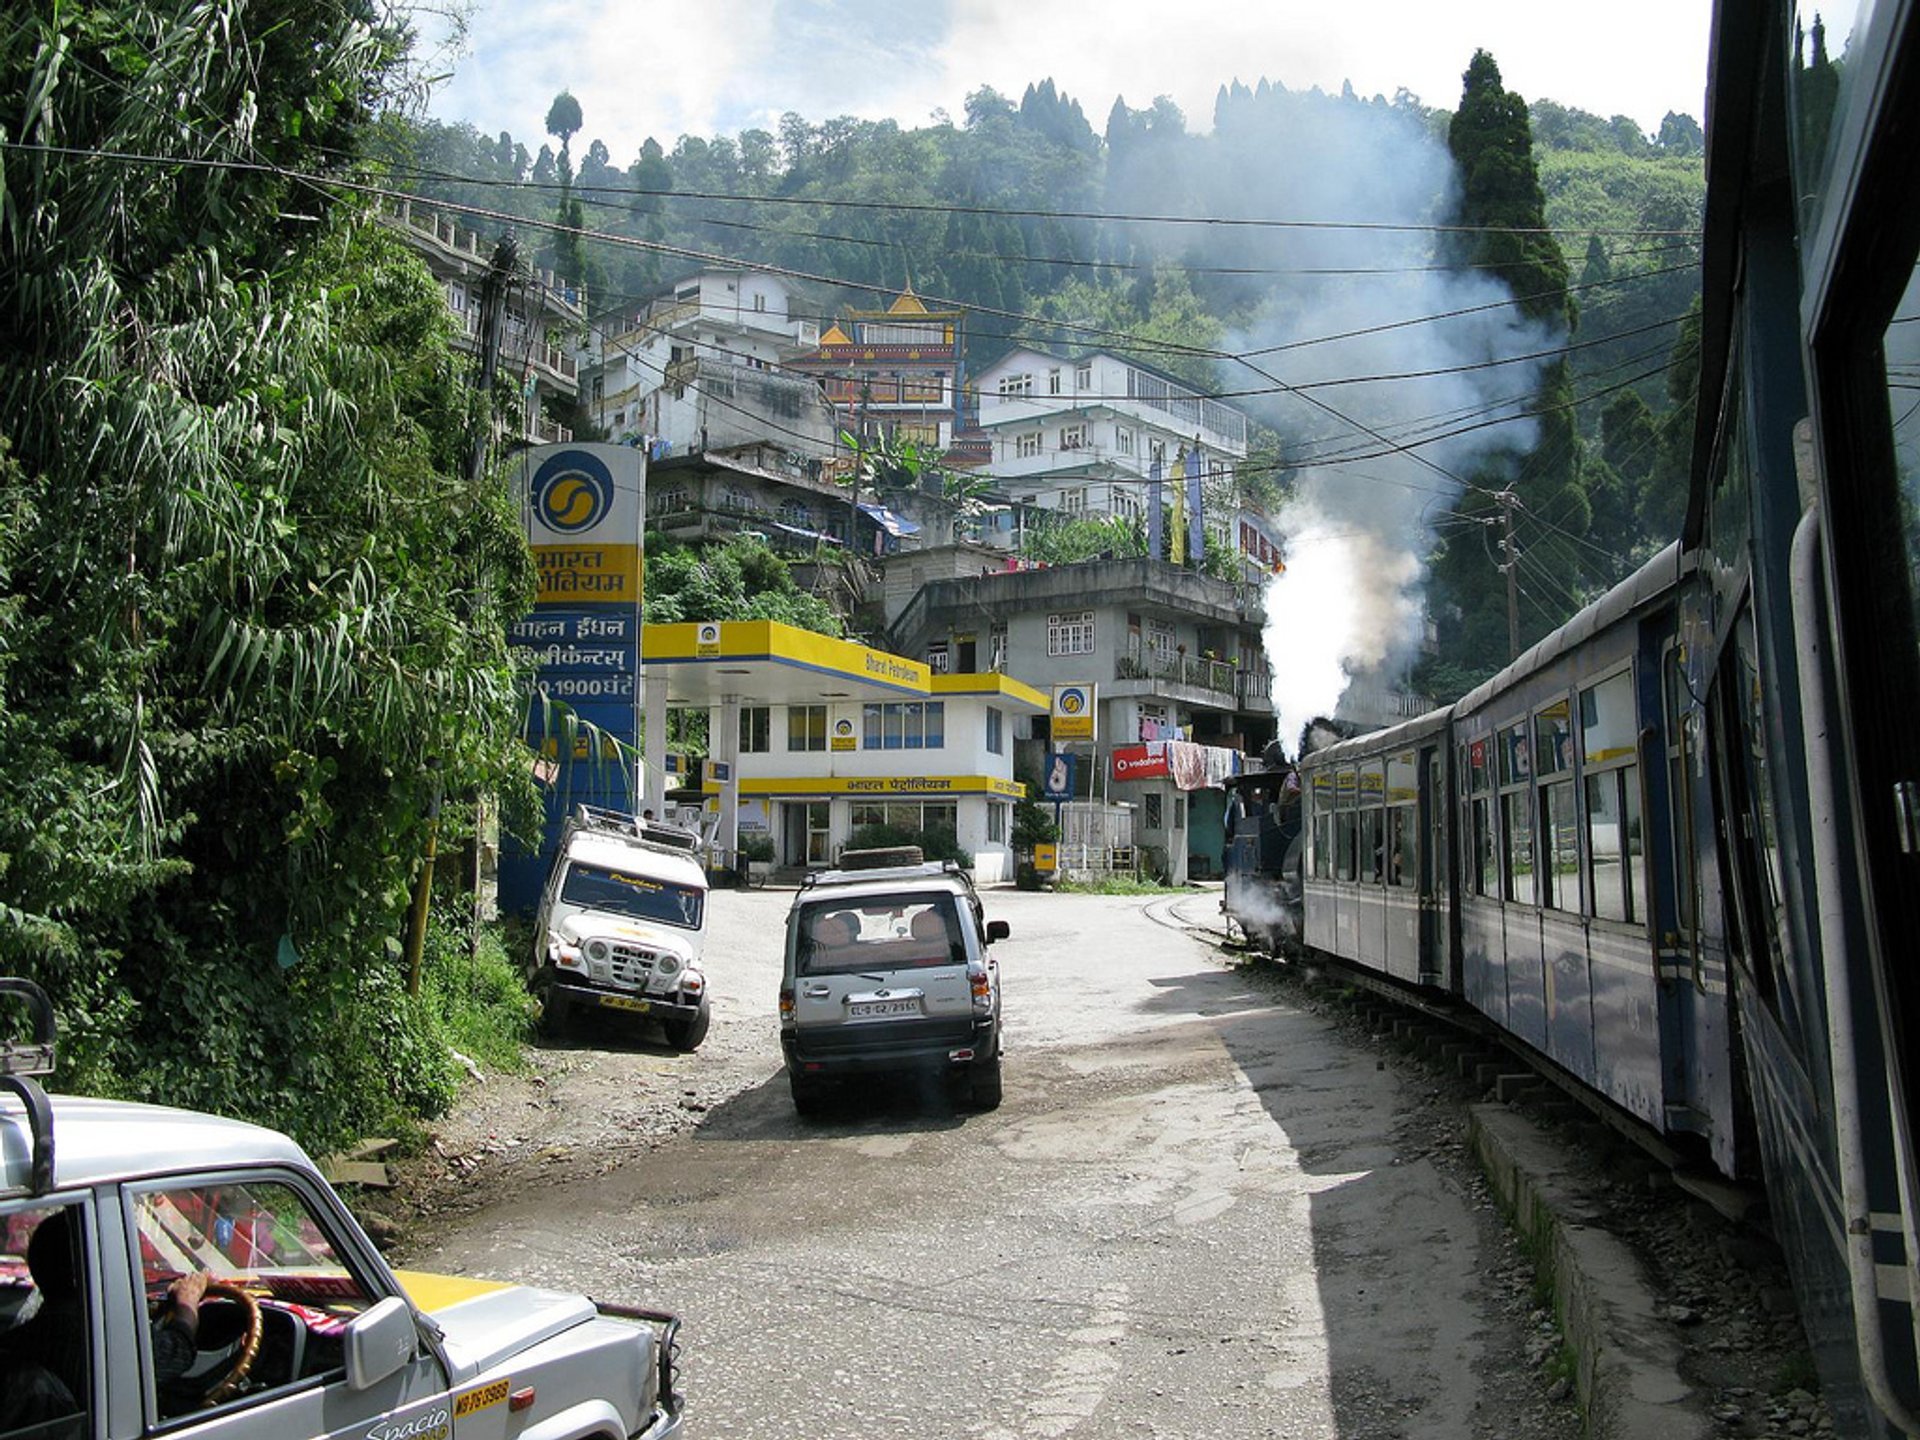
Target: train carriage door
x,y
1856,583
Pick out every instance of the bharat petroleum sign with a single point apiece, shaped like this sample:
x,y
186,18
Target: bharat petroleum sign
x,y
1072,717
584,504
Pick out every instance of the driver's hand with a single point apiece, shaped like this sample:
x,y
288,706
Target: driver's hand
x,y
186,1293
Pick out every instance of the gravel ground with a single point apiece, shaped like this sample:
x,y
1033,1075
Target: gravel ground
x,y
607,1096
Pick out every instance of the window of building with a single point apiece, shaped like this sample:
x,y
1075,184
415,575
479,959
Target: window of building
x,y
1074,501
1070,633
997,822
1123,440
806,727
906,814
1083,377
938,658
1126,503
1154,815
1073,437
905,725
1053,382
759,302
1157,452
996,731
756,729
1026,446
1016,384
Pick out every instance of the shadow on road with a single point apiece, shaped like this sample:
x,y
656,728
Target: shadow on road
x,y
870,1105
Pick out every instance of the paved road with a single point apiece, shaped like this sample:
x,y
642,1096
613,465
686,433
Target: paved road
x,y
1199,1213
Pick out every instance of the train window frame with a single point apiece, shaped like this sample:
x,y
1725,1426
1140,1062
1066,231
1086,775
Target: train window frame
x,y
1611,770
1319,789
1519,869
1371,851
1346,824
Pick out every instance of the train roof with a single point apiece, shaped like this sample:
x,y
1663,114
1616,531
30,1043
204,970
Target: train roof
x,y
1640,589
1374,742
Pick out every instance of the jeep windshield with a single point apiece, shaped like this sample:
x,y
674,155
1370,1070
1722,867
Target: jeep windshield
x,y
614,892
879,932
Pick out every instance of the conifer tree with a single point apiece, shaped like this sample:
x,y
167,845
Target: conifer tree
x,y
1502,220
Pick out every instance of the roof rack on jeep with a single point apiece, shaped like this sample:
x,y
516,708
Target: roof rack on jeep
x,y
20,1062
619,822
882,857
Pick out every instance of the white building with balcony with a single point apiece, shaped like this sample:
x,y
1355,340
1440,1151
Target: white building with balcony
x,y
1083,433
707,355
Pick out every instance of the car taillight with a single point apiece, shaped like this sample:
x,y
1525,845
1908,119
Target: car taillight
x,y
786,1003
982,985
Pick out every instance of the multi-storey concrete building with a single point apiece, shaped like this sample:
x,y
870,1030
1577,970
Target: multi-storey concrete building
x,y
894,372
1085,434
703,366
543,320
1169,654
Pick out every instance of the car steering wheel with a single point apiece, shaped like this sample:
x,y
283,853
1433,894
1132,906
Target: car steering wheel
x,y
224,1388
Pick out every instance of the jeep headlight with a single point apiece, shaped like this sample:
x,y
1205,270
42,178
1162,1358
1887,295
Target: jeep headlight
x,y
668,967
598,950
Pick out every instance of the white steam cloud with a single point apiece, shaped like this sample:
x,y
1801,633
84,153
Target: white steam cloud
x,y
1333,326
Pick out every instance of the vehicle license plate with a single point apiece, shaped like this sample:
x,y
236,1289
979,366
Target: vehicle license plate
x,y
885,1007
621,1002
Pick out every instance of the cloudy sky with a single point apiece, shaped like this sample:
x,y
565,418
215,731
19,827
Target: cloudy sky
x,y
645,68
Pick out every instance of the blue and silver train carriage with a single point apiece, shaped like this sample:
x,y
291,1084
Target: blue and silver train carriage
x,y
1676,847
1805,648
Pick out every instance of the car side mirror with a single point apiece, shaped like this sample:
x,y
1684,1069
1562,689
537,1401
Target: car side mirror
x,y
997,930
379,1342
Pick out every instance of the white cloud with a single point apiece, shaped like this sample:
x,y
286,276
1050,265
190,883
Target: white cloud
x,y
650,68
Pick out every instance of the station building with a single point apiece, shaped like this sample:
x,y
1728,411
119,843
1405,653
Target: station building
x,y
810,738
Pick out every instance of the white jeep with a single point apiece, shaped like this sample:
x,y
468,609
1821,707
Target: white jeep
x,y
171,1272
622,926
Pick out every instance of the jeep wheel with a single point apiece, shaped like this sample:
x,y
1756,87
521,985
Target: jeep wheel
x,y
686,1035
809,1096
984,1084
554,1014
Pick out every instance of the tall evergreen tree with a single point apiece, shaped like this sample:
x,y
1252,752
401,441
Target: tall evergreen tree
x,y
1502,220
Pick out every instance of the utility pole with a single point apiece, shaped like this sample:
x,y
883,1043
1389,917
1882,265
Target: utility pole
x,y
1508,500
493,315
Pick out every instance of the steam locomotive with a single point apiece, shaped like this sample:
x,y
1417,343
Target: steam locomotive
x,y
1674,848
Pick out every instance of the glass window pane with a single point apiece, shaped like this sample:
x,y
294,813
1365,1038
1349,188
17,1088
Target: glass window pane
x,y
1902,343
1607,726
1480,766
1370,841
1516,818
870,715
1559,828
1606,846
1483,879
1403,779
1553,740
1636,842
936,713
1516,764
1403,846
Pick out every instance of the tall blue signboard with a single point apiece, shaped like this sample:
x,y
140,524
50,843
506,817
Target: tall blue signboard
x,y
585,506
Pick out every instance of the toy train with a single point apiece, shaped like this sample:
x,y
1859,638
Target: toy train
x,y
1674,848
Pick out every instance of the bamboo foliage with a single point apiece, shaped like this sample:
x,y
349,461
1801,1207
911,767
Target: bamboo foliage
x,y
245,596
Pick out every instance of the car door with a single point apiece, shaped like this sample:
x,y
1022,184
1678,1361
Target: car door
x,y
280,1240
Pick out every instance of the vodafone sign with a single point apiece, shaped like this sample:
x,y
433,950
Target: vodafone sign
x,y
1136,762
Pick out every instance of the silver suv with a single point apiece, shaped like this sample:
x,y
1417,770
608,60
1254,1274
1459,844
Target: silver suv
x,y
888,969
171,1272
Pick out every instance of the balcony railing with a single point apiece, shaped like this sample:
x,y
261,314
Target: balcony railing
x,y
1218,676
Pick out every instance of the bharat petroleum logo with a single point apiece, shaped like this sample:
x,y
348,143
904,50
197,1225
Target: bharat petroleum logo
x,y
1072,702
572,492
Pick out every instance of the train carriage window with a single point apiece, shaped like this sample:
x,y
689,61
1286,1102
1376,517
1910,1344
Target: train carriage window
x,y
1403,846
1479,767
1516,764
1607,723
1560,847
1346,824
1902,352
1373,829
1516,819
1321,790
1483,876
1553,740
1681,747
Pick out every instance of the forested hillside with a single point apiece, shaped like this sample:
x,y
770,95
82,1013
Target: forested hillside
x,y
1293,245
